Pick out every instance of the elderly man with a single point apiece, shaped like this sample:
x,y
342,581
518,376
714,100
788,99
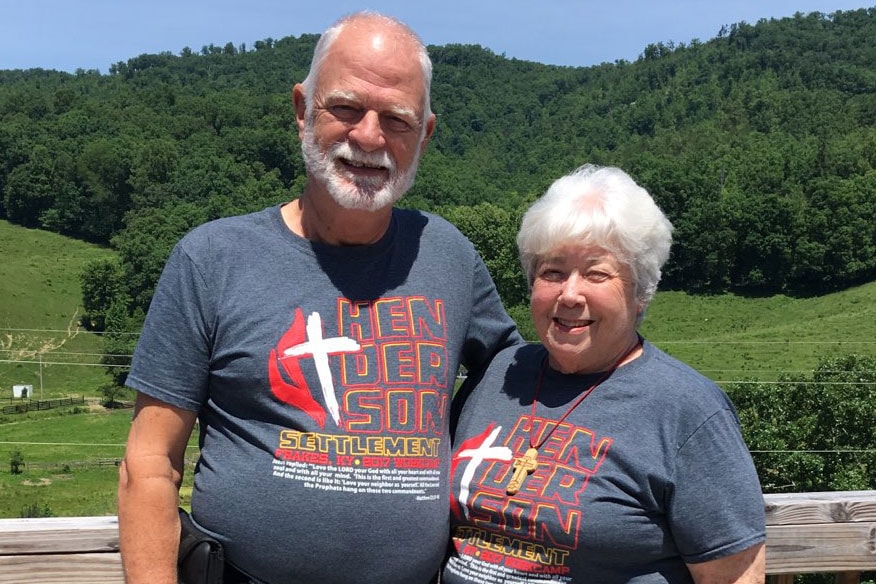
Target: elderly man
x,y
317,343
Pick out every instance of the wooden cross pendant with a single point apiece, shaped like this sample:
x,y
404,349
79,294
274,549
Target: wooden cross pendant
x,y
523,467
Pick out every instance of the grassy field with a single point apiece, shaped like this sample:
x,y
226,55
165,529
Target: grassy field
x,y
729,338
69,454
70,461
41,343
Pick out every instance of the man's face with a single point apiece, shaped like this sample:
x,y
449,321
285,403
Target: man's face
x,y
363,130
374,181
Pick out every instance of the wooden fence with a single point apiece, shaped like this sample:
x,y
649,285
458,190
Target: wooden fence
x,y
832,533
40,404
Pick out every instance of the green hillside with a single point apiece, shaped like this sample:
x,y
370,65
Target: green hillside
x,y
731,338
40,306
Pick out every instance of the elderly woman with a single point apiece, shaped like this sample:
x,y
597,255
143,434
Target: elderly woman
x,y
595,457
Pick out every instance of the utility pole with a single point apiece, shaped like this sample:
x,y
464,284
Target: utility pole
x,y
41,376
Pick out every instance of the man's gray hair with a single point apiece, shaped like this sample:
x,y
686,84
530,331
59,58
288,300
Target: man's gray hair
x,y
331,34
600,206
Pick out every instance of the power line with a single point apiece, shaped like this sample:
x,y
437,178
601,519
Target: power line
x,y
802,381
66,331
122,445
718,381
741,342
42,363
70,353
839,451
654,342
24,443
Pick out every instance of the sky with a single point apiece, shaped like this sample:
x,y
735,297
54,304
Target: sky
x,y
94,34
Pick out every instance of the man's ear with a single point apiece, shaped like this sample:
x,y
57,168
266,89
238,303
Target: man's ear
x,y
299,101
427,136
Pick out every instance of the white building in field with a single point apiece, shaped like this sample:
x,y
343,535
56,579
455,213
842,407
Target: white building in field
x,y
22,391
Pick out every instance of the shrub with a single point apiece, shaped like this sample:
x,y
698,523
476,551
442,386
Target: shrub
x,y
16,462
36,510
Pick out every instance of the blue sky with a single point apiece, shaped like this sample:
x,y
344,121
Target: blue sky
x,y
94,34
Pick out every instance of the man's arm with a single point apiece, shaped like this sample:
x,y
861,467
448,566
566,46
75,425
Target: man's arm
x,y
149,481
490,328
746,567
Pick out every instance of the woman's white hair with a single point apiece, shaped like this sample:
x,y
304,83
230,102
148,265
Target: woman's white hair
x,y
600,206
331,35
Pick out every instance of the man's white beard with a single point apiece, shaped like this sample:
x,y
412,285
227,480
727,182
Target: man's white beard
x,y
353,192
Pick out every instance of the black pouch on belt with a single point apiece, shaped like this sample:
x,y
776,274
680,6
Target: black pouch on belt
x,y
201,558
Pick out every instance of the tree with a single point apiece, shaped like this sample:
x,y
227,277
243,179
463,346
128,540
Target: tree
x,y
111,393
102,287
29,191
119,342
701,257
145,244
104,167
493,231
840,223
152,170
765,233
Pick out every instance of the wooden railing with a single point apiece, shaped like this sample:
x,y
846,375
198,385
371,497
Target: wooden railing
x,y
62,550
832,533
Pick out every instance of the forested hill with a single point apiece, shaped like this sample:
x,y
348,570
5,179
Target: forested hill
x,y
760,144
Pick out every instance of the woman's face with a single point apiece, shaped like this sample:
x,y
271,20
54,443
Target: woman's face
x,y
584,308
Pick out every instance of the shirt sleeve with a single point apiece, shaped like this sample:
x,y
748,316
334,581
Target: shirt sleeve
x,y
716,506
172,360
490,328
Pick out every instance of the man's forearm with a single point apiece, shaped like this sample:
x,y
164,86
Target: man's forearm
x,y
148,526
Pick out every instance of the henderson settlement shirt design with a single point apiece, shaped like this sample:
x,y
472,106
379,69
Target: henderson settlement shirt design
x,y
380,410
535,530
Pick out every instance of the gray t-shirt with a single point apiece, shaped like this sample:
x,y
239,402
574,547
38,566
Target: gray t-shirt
x,y
323,377
647,473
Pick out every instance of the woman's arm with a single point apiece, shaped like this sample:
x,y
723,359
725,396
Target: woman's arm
x,y
746,567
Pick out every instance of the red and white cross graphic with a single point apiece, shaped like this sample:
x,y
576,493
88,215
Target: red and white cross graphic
x,y
477,454
320,349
